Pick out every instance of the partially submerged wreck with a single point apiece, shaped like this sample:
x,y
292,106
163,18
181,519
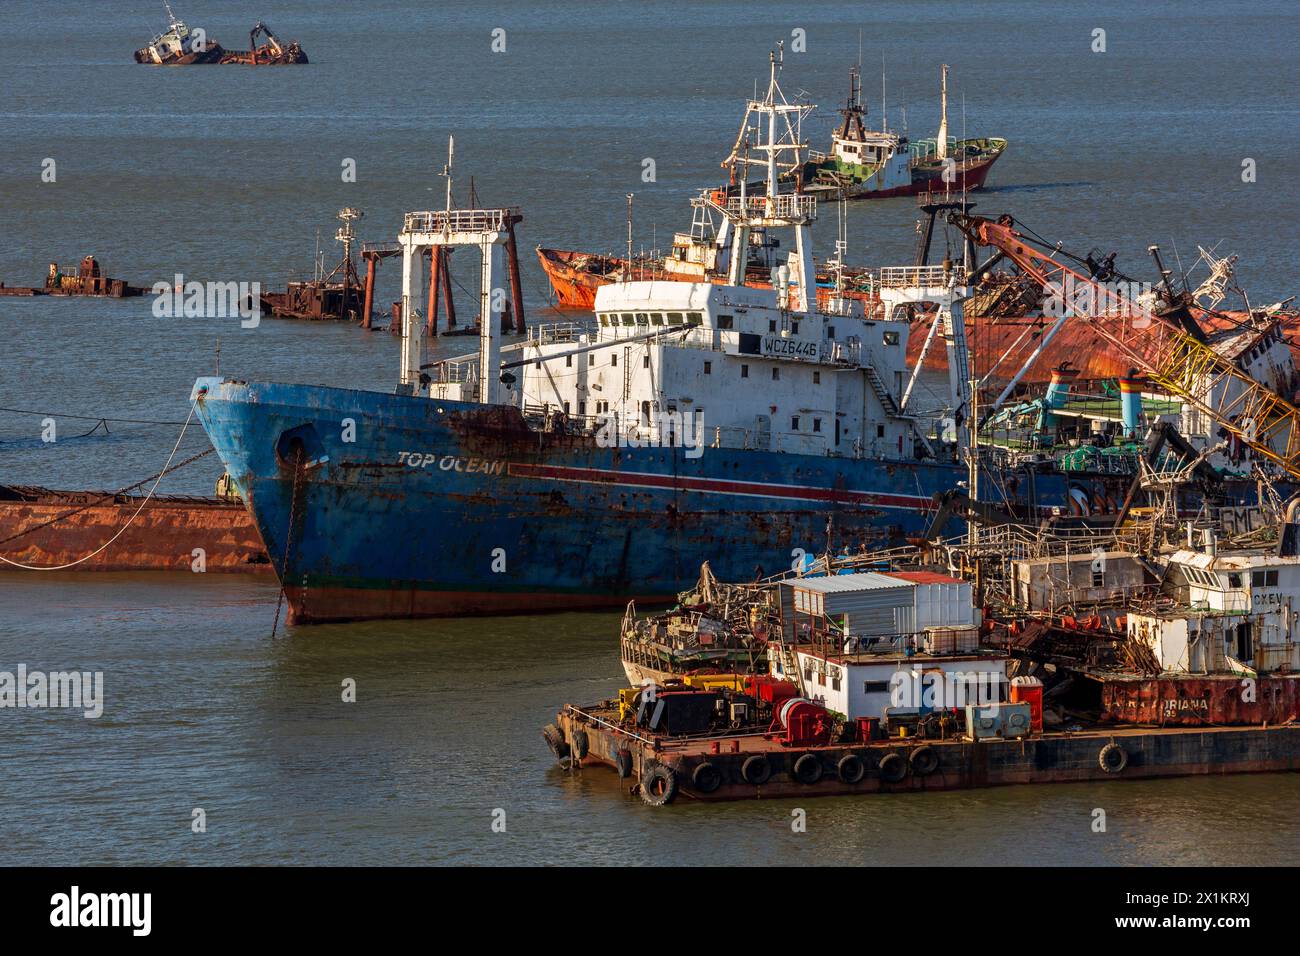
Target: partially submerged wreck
x,y
178,45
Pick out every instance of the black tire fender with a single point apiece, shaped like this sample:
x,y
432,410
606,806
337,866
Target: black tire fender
x,y
623,763
807,769
893,768
851,769
555,740
706,777
578,742
756,770
658,785
924,760
1112,758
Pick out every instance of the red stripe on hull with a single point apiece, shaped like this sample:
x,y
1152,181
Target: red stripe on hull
x,y
718,486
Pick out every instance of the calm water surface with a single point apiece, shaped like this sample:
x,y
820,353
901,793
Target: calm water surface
x,y
230,174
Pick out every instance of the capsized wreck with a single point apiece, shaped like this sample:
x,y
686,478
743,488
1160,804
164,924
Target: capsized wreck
x,y
179,45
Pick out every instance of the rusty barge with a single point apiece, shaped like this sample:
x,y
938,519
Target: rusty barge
x,y
45,529
771,767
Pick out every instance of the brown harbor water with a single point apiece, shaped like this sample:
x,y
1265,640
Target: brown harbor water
x,y
228,174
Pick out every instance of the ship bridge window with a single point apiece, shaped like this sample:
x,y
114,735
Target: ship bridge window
x,y
1263,579
891,338
656,319
604,320
1234,580
695,318
724,322
643,318
674,318
629,319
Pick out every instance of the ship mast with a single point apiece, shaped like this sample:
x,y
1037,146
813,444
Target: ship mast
x,y
942,146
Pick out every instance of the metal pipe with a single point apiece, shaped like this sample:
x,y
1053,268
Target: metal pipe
x,y
372,266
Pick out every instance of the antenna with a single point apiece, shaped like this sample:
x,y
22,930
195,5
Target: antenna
x,y
627,273
446,170
884,116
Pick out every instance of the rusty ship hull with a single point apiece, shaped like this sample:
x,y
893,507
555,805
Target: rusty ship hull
x,y
47,529
445,508
575,276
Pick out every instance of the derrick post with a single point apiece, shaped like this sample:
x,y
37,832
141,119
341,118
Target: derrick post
x,y
516,286
446,290
372,264
435,277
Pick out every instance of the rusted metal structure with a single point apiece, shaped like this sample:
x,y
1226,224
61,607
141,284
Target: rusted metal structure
x,y
85,280
178,45
45,528
437,256
334,295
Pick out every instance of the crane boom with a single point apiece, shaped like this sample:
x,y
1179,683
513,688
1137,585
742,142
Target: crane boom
x,y
1171,357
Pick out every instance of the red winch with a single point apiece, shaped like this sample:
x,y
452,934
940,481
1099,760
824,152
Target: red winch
x,y
806,723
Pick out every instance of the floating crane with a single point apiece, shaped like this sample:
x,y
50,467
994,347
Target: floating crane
x,y
1165,344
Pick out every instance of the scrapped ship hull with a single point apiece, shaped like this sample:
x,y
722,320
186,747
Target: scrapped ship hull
x,y
575,277
446,508
966,176
989,340
440,508
572,277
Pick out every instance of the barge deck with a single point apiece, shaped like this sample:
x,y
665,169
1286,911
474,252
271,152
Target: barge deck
x,y
757,765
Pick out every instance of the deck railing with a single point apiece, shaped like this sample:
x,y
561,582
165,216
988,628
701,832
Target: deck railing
x,y
461,220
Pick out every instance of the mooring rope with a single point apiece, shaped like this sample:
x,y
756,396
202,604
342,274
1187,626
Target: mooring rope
x,y
130,521
288,538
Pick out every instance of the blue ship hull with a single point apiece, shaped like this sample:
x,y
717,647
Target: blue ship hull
x,y
438,507
444,508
